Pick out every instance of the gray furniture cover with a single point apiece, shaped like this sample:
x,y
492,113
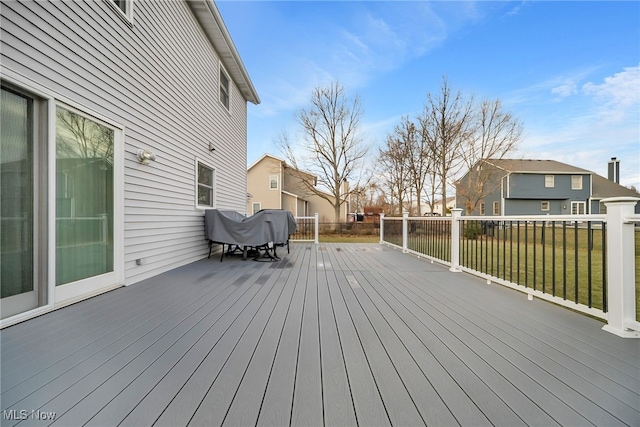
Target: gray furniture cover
x,y
261,228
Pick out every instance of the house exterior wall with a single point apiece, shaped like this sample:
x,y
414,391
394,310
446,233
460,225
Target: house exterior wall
x,y
157,78
258,184
531,186
289,187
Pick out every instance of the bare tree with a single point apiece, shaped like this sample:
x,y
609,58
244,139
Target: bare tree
x,y
80,137
331,147
496,133
393,162
448,118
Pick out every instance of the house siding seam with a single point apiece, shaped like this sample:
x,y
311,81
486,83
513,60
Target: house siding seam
x,y
84,52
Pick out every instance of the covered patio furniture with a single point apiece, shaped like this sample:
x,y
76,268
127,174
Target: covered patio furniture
x,y
264,230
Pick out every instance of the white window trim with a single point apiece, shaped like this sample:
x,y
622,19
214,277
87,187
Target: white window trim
x,y
196,184
481,208
542,206
581,182
552,181
277,178
253,207
496,205
127,16
66,293
577,205
223,71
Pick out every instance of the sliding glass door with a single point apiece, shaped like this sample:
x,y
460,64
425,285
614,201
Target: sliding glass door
x,y
84,199
61,200
19,289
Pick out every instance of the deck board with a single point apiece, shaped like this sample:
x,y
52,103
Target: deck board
x,y
333,334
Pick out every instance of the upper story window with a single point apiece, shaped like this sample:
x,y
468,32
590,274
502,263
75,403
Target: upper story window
x,y
224,88
496,208
544,206
482,212
206,186
256,207
126,7
576,182
549,181
273,182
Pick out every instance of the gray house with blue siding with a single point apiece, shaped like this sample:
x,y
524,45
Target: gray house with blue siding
x,y
534,187
122,121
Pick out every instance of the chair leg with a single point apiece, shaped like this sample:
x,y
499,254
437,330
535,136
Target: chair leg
x,y
210,245
222,254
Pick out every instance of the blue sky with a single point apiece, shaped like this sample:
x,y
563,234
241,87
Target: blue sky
x,y
569,70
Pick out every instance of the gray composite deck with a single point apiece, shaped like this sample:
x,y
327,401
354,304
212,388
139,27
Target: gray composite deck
x,y
334,334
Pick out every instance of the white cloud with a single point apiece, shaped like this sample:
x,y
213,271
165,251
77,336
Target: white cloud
x,y
567,89
618,96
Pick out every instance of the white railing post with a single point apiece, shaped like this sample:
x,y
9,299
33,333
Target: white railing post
x,y
455,240
317,228
405,232
381,227
621,292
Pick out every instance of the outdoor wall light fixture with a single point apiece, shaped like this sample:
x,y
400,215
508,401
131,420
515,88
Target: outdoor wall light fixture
x,y
211,147
145,156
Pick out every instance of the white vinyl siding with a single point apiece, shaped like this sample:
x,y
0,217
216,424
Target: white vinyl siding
x,y
124,7
83,51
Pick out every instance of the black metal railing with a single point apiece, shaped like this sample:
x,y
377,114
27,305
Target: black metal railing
x,y
566,259
306,229
430,236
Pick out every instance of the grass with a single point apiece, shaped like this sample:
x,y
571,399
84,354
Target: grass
x,y
342,238
567,263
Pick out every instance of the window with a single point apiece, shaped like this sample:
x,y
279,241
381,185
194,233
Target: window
x,y
224,88
482,208
578,208
544,206
273,182
576,182
496,208
206,180
255,207
126,7
549,181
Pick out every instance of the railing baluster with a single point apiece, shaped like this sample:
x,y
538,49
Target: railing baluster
x,y
564,260
589,265
553,258
535,259
604,268
575,258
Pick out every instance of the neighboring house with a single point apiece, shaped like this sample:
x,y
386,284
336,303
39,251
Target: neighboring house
x,y
85,87
534,187
437,207
273,184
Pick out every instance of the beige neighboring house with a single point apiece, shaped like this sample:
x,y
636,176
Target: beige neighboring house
x,y
273,184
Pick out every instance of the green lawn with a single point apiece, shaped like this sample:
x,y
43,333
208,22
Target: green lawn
x,y
565,262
